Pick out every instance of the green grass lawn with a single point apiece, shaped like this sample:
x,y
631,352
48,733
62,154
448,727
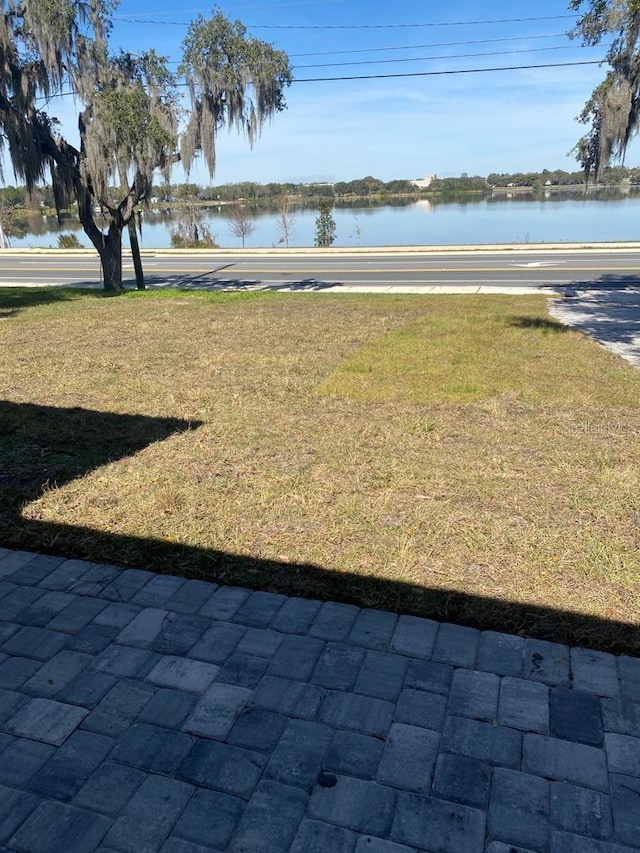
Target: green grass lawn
x,y
460,457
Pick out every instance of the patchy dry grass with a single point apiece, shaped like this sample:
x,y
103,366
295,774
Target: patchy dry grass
x,y
463,457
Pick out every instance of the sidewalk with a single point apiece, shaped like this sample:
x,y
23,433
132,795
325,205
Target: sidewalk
x,y
143,712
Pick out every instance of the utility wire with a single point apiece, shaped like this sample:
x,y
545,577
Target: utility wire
x,y
407,74
434,58
453,71
432,44
360,26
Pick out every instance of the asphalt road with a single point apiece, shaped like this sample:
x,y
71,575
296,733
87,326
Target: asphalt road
x,y
516,270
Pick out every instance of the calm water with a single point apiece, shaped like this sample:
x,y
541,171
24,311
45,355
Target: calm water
x,y
559,217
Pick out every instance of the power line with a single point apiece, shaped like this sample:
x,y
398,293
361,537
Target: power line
x,y
359,26
408,74
434,58
440,73
432,44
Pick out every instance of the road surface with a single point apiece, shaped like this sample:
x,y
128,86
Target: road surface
x,y
515,270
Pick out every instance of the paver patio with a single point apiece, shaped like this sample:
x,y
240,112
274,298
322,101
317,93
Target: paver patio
x,y
145,713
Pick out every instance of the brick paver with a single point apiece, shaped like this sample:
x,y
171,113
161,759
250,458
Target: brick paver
x,y
146,713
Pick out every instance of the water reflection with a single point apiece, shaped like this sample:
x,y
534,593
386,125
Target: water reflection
x,y
518,215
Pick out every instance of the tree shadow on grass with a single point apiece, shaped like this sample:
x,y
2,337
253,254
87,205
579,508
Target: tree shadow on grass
x,y
16,299
43,447
537,323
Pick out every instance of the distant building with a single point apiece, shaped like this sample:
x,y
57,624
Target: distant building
x,y
423,183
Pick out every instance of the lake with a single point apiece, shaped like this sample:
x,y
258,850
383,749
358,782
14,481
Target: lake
x,y
553,216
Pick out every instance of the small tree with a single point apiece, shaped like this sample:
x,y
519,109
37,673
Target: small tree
x,y
284,220
241,224
325,226
128,124
613,110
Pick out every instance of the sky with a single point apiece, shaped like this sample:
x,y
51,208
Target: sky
x,y
393,127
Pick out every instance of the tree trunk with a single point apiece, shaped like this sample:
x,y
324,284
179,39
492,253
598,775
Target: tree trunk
x,y
135,254
110,251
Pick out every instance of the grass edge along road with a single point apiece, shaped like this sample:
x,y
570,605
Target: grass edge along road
x,y
465,458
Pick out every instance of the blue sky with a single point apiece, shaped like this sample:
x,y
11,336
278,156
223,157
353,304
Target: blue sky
x,y
403,127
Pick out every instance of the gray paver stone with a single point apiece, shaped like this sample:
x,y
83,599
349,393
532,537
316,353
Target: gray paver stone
x,y
581,810
622,716
210,818
15,807
148,818
45,720
12,561
292,698
474,694
494,744
414,637
501,847
218,642
143,628
180,633
179,845
66,575
408,758
168,708
623,754
21,760
355,804
428,676
564,761
77,615
373,629
260,609
224,603
258,729
546,662
524,705
243,671
223,767
270,820
461,779
446,827
299,755
352,754
338,666
47,607
54,675
10,702
502,654
519,809
31,568
296,657
260,642
381,675
117,615
109,788
216,711
119,708
35,643
296,616
191,597
357,713
456,645
158,591
95,580
629,672
92,640
69,768
368,844
316,837
334,621
126,584
54,827
87,689
574,715
16,602
194,676
125,661
625,797
153,749
595,672
15,671
421,709
563,842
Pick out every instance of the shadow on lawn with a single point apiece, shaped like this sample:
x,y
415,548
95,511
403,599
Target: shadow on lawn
x,y
16,299
43,447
